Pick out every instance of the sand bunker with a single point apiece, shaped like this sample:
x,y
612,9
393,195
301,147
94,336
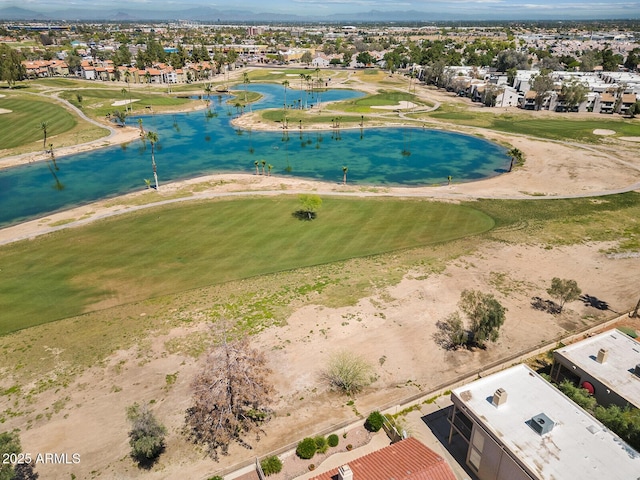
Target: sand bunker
x,y
124,102
402,105
630,139
601,131
4,110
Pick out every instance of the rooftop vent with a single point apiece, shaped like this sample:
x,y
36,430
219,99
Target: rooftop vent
x,y
541,424
345,473
500,397
637,370
603,353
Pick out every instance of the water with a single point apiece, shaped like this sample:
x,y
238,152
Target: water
x,y
193,144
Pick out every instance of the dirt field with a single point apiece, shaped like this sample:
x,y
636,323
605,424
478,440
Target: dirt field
x,y
391,325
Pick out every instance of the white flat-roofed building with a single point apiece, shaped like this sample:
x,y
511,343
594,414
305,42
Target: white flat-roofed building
x,y
608,365
517,426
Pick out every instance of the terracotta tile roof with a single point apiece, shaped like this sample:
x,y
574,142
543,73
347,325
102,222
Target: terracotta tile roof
x,y
406,460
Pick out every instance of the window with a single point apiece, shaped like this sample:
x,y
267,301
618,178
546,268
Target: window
x,y
475,449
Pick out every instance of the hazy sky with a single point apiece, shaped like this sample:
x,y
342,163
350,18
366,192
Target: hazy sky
x,y
522,9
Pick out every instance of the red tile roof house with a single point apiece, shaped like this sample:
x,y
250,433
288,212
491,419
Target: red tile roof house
x,y
405,460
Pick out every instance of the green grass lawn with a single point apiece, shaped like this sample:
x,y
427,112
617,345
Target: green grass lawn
x,y
27,114
561,128
294,116
176,248
99,102
365,104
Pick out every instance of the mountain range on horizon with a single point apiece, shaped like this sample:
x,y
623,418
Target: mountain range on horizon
x,y
212,15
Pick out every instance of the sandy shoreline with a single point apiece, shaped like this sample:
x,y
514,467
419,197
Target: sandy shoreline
x,y
122,135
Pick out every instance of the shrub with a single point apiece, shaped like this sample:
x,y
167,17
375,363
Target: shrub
x,y
349,447
321,444
217,477
306,449
348,372
271,465
146,436
333,440
374,421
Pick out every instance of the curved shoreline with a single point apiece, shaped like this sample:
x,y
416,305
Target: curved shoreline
x,y
242,185
553,169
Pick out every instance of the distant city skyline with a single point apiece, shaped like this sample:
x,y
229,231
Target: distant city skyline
x,y
466,9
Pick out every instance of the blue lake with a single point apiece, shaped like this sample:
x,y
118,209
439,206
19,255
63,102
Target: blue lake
x,y
195,144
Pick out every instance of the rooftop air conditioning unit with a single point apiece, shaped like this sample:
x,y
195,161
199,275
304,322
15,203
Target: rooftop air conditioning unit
x,y
541,424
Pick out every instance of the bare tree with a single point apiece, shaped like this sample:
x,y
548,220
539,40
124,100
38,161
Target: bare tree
x,y
230,398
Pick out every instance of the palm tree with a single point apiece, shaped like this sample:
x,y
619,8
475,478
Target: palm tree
x,y
43,127
302,78
270,167
345,169
153,139
142,129
246,81
308,79
147,79
256,163
123,92
208,89
263,162
127,78
285,84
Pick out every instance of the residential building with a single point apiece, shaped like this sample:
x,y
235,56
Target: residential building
x,y
45,68
508,97
626,101
408,459
607,103
518,426
607,365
